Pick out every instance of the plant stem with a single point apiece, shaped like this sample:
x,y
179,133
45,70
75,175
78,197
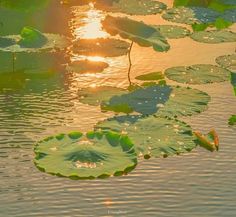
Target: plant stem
x,y
130,63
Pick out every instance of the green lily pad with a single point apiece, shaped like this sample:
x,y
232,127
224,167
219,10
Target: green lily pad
x,y
227,61
86,66
103,47
172,31
153,76
142,100
95,155
95,96
32,38
198,74
139,32
232,120
191,15
184,102
230,15
214,36
6,42
133,7
153,136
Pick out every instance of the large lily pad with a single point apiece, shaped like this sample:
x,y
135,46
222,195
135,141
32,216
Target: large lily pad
x,y
142,100
184,102
227,61
95,96
103,47
139,32
198,74
84,157
191,15
86,66
230,15
153,136
233,81
214,36
232,120
157,99
133,7
172,31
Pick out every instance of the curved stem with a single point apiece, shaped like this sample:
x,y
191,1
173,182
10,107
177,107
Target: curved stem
x,y
130,63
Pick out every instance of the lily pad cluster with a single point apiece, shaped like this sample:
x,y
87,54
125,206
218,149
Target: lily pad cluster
x,y
132,7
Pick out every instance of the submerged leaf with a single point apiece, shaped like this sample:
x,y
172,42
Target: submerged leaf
x,y
153,136
95,155
133,7
95,96
151,76
139,32
103,47
214,36
86,66
198,74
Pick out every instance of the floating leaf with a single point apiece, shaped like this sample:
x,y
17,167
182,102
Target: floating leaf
x,y
95,155
173,32
95,96
32,38
103,47
233,81
142,34
227,61
198,74
232,120
6,42
151,76
184,102
209,142
214,36
230,15
86,66
153,136
191,15
133,7
142,100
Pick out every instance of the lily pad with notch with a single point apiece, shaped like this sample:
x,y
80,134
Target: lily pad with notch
x,y
78,156
153,136
227,61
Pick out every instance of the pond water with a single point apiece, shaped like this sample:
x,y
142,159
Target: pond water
x,y
199,183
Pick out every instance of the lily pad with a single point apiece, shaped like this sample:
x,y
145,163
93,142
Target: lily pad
x,y
233,81
95,96
6,42
232,120
133,7
139,32
227,61
198,74
172,31
78,156
157,99
86,66
153,136
142,100
103,47
153,76
191,15
184,102
230,15
214,36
